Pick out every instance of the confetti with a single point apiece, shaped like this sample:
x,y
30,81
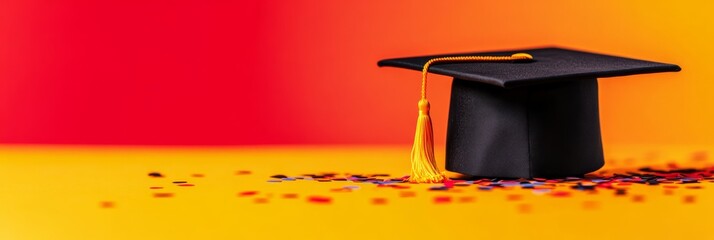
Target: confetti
x,y
524,208
514,197
260,200
591,205
163,195
340,190
156,187
179,182
185,185
699,156
379,201
541,191
243,172
689,199
620,192
442,199
319,199
156,174
688,180
290,195
616,182
560,194
407,194
197,175
106,204
247,193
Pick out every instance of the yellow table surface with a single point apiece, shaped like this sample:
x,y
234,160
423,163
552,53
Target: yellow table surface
x,y
57,192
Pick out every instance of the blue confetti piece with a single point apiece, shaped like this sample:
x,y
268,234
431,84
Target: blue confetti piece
x,y
689,180
351,187
527,185
288,179
541,191
485,188
274,180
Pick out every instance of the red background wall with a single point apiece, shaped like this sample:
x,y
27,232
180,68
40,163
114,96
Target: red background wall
x,y
269,72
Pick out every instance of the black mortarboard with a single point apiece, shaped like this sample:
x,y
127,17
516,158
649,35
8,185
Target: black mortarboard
x,y
527,119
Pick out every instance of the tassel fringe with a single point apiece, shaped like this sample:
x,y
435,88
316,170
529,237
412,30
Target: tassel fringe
x,y
424,169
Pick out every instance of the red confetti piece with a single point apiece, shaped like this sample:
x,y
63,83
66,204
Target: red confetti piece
x,y
290,195
467,199
379,201
185,185
694,187
670,186
524,208
243,172
247,193
699,156
449,183
668,192
106,204
591,205
197,175
319,199
442,199
163,195
156,187
560,194
514,197
260,200
638,198
689,199
407,194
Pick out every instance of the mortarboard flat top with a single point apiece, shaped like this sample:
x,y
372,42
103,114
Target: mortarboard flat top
x,y
550,65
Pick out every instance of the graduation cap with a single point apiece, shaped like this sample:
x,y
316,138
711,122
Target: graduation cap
x,y
518,114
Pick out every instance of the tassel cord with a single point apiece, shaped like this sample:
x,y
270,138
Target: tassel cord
x,y
423,162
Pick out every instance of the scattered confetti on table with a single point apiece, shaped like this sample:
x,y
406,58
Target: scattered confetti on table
x,y
248,195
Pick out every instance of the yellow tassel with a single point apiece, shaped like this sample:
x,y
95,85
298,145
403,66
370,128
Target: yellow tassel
x,y
424,169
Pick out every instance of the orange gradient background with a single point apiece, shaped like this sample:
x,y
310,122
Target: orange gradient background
x,y
304,72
